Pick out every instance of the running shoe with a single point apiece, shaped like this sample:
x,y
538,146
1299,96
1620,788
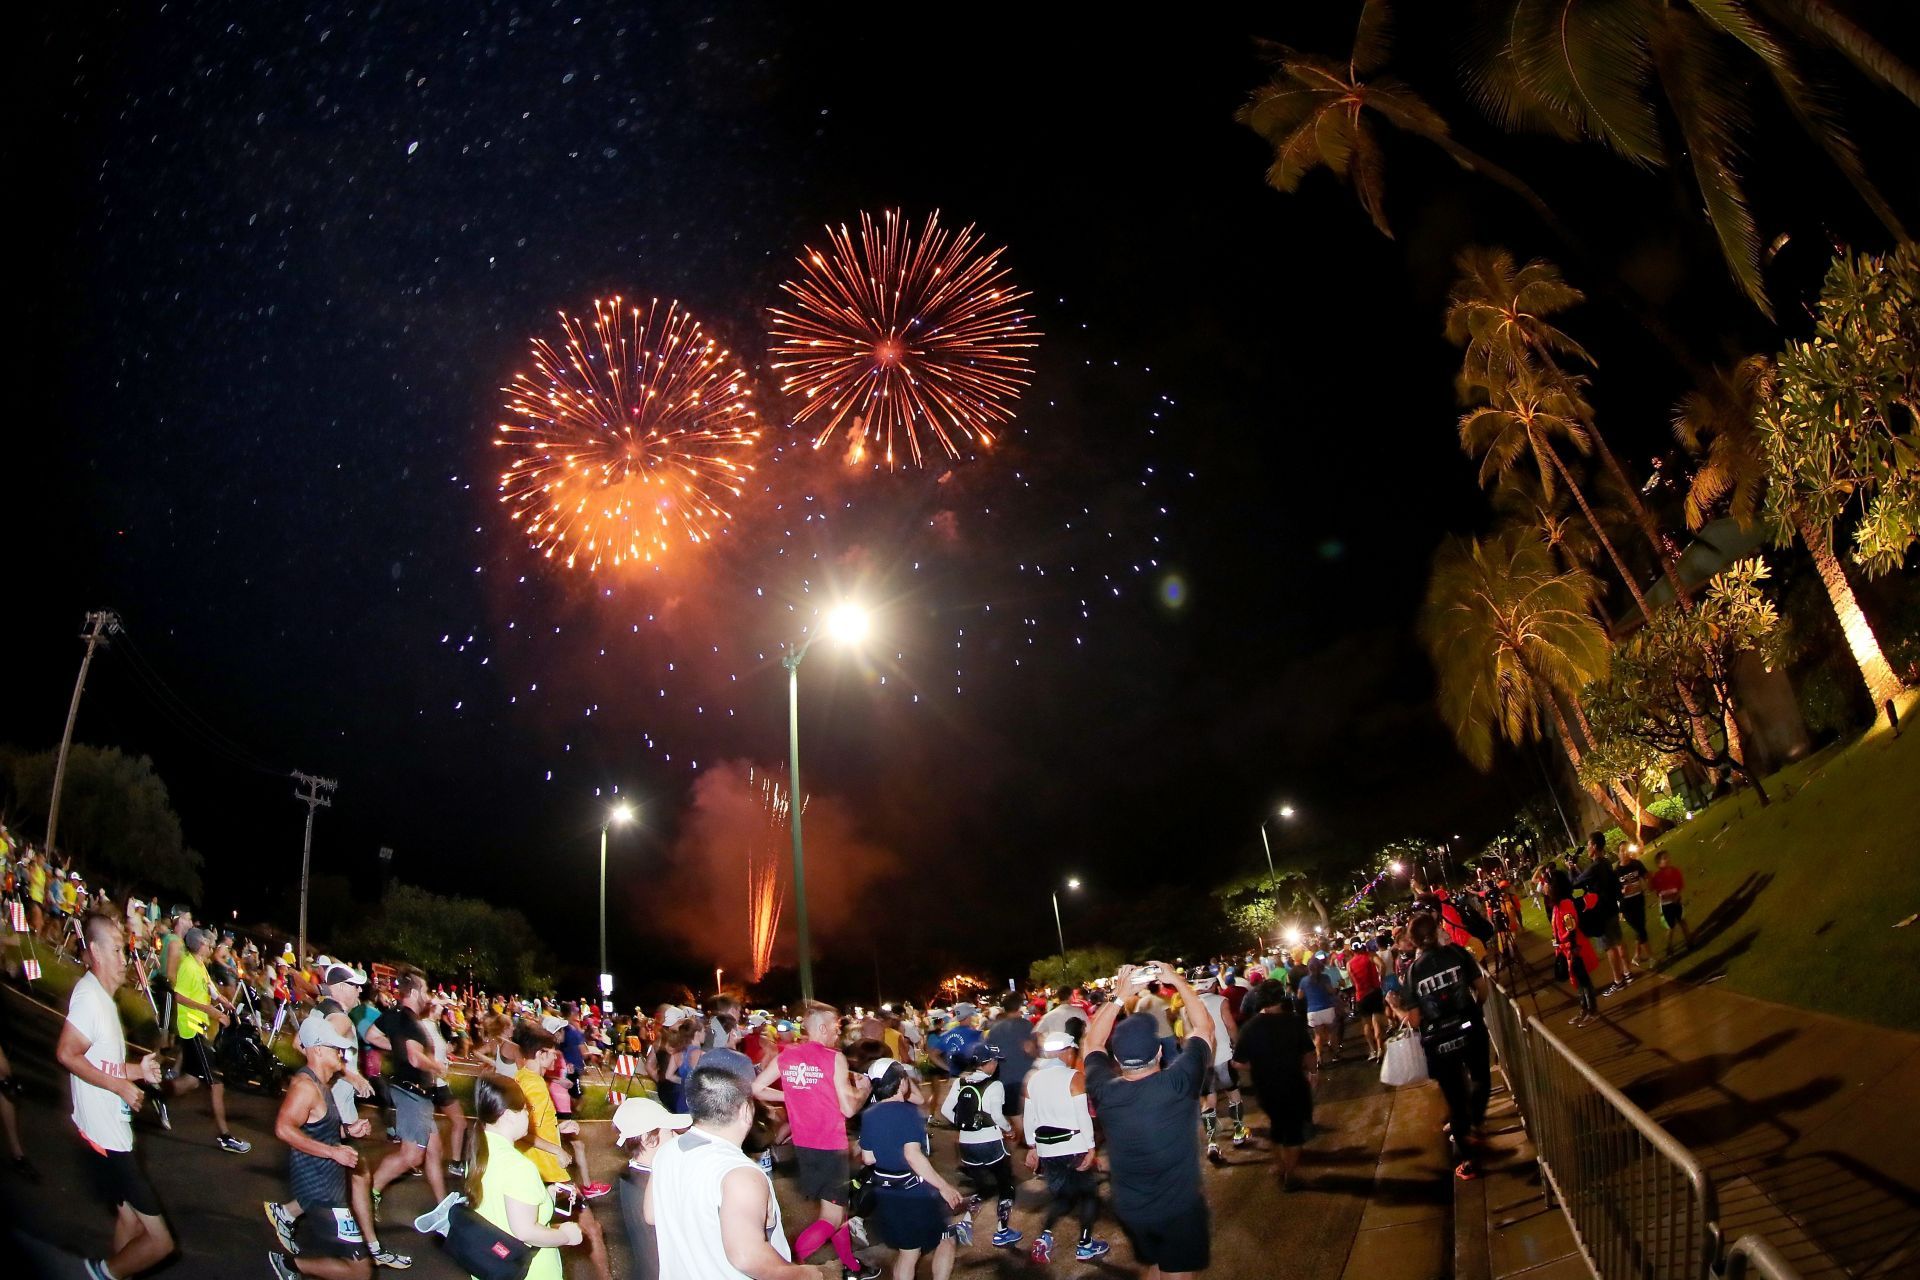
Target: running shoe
x,y
166,1119
594,1190
1088,1250
962,1232
457,1169
1005,1237
238,1147
385,1257
283,1268
282,1223
1213,1152
1466,1171
868,1271
1239,1134
1043,1247
857,1228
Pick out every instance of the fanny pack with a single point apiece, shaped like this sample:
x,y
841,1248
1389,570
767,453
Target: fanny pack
x,y
885,1181
1050,1135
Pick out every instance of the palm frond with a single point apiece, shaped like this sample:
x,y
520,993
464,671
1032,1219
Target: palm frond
x,y
1372,39
1588,61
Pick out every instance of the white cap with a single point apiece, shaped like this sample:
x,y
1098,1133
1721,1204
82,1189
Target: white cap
x,y
1055,1042
552,1024
879,1067
675,1015
636,1116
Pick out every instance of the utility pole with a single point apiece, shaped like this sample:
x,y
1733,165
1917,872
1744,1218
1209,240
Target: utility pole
x,y
313,799
100,624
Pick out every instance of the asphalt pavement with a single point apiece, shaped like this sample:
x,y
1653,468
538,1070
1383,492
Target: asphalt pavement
x,y
1371,1196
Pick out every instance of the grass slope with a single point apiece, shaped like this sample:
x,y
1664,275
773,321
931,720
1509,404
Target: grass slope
x,y
1798,902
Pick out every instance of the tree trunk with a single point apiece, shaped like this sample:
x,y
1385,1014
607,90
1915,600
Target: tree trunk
x,y
1875,671
1600,794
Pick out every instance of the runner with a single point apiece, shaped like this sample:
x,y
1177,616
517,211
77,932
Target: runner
x,y
93,1050
195,1010
819,1093
1278,1053
410,1069
1669,884
1151,1117
976,1106
327,1241
911,1199
1369,1003
1633,906
546,1136
1321,1000
1059,1133
952,1049
640,1126
1225,1026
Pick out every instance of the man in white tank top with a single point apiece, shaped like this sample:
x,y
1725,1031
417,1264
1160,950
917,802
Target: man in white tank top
x,y
712,1207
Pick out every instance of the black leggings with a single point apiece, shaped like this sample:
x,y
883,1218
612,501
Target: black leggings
x,y
1583,982
995,1179
1465,1078
1071,1189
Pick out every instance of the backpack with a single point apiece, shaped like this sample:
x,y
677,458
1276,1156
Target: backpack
x,y
967,1107
1472,918
1587,909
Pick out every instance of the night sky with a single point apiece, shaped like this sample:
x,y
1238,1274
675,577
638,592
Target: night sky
x,y
280,264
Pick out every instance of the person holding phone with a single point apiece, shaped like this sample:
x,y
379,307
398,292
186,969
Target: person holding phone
x,y
546,1134
506,1186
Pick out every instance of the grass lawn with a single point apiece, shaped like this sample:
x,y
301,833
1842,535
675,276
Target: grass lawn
x,y
1798,902
58,974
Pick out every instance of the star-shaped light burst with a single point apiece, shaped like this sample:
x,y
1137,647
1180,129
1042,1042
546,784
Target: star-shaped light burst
x,y
627,438
908,339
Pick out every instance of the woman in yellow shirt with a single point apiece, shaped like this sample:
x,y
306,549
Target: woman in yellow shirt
x,y
507,1189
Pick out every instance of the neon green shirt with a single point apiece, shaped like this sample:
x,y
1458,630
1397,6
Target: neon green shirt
x,y
190,980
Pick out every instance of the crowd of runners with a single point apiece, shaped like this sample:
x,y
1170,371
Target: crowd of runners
x,y
1112,1094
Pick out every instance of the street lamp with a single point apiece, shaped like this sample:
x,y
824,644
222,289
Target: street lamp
x,y
848,624
1058,928
621,813
1273,881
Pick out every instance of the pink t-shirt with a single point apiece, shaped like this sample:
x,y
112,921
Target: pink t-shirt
x,y
813,1097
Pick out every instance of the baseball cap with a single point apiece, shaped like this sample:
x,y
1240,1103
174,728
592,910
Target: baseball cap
x,y
1055,1042
636,1116
1135,1041
731,1061
317,1032
983,1053
196,936
323,962
964,1010
339,973
674,1016
553,1023
878,1068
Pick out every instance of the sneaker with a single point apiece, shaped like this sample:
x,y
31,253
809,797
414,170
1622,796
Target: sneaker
x,y
1466,1171
962,1232
457,1169
434,1221
96,1269
164,1116
1088,1250
1005,1237
385,1257
1213,1152
868,1271
1239,1134
283,1268
238,1147
594,1190
282,1223
857,1228
1042,1250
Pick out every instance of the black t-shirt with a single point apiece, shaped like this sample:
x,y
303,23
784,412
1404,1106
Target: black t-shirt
x,y
400,1027
1632,880
1442,981
1153,1131
1600,880
1274,1046
641,1236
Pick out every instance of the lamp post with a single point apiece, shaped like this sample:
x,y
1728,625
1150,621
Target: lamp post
x,y
1273,881
846,623
1057,926
623,814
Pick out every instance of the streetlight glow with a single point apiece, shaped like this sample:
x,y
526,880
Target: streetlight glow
x,y
1286,811
1397,867
1073,884
623,813
847,623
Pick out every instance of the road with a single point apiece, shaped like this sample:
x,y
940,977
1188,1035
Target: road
x,y
1371,1195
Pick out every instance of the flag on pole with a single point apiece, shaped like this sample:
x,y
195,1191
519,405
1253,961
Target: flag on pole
x,y
16,915
32,969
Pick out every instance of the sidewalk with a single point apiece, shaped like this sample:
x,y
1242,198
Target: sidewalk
x,y
1808,1124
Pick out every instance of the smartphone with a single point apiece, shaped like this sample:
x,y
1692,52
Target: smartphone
x,y
1142,976
565,1199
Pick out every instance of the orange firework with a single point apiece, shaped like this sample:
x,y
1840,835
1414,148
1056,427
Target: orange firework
x,y
627,437
903,334
764,895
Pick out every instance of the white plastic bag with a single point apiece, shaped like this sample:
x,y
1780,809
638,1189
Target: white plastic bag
x,y
1405,1062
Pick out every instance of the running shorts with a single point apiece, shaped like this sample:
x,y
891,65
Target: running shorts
x,y
1318,1018
329,1231
118,1180
1176,1240
1670,913
824,1175
412,1115
196,1059
1372,1002
1634,912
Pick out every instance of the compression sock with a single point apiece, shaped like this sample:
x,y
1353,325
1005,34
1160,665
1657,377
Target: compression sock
x,y
808,1242
1005,1213
1209,1121
1086,1232
1234,1109
843,1248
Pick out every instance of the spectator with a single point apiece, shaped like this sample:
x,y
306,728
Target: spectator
x,y
1572,945
1151,1116
1600,880
93,1050
640,1125
1449,986
1668,885
714,1212
1279,1056
506,1187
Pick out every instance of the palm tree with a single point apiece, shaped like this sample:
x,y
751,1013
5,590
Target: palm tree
x,y
1720,425
1604,71
1512,636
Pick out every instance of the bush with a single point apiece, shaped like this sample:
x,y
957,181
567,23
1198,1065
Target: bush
x,y
1832,700
1076,968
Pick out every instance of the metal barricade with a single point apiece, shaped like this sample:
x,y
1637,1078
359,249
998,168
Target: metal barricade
x,y
1508,1030
1640,1204
1752,1255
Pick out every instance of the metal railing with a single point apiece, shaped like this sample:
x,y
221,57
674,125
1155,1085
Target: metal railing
x,y
1752,1255
1641,1206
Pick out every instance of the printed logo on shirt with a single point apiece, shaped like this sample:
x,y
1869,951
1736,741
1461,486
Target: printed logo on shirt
x,y
1439,981
802,1075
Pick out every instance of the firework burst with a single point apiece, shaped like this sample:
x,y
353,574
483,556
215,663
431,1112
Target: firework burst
x,y
628,437
901,335
764,895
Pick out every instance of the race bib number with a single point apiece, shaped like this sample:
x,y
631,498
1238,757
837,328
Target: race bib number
x,y
345,1227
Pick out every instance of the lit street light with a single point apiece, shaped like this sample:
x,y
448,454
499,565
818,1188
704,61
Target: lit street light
x,y
1273,880
848,624
1058,928
621,813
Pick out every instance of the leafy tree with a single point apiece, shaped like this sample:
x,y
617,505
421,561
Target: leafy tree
x,y
453,937
1839,427
1076,968
116,819
1511,635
